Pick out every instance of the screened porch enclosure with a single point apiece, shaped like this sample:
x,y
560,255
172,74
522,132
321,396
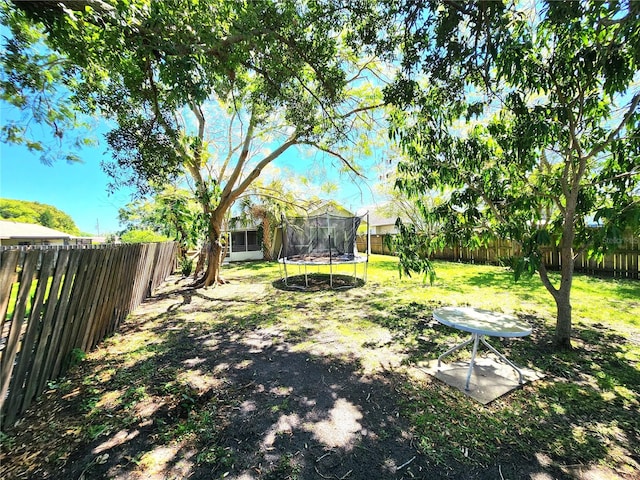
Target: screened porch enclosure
x,y
244,245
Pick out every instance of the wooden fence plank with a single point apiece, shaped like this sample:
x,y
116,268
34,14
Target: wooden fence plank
x,y
128,280
138,275
141,276
110,287
623,263
117,291
83,307
160,265
24,361
70,330
48,322
91,295
88,319
15,331
80,295
126,284
8,277
55,356
98,304
167,262
114,292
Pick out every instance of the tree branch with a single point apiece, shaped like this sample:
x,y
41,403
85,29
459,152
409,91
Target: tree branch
x,y
614,133
544,277
255,173
244,154
337,155
361,69
632,173
231,148
362,109
267,195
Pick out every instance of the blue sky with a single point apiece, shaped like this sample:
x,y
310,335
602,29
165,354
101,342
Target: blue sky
x,y
80,189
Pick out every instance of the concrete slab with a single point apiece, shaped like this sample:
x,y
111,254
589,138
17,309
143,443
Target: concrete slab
x,y
490,378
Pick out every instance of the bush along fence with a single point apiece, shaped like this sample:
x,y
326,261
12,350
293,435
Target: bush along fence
x,y
55,301
624,262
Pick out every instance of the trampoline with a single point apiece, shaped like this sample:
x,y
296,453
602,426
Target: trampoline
x,y
321,242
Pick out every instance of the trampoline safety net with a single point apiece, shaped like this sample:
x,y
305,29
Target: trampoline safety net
x,y
321,236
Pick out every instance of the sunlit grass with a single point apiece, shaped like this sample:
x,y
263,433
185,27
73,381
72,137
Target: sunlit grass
x,y
594,300
153,374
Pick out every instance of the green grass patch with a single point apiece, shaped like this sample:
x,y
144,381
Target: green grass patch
x,y
584,412
166,374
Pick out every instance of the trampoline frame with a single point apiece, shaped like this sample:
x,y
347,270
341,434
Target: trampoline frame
x,y
326,260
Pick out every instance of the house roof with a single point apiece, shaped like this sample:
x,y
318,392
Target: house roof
x,y
10,229
377,220
331,207
240,224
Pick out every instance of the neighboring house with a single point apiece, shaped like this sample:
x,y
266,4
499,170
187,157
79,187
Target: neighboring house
x,y
243,243
379,225
14,233
332,208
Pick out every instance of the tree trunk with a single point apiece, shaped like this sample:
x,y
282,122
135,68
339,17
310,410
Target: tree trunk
x,y
562,339
562,296
214,255
202,257
266,239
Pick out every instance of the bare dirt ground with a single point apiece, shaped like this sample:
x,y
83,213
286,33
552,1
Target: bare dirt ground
x,y
172,398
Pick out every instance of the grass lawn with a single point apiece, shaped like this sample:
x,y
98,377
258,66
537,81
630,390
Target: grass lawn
x,y
242,380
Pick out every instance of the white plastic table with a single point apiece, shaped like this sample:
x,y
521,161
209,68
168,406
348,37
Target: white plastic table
x,y
480,323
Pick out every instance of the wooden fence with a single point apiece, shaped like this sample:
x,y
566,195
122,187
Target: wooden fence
x,y
624,262
55,300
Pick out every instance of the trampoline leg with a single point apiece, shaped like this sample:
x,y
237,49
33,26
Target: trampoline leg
x,y
306,280
330,275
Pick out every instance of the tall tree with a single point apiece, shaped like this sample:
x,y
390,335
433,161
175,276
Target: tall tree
x,y
529,113
37,213
172,213
175,75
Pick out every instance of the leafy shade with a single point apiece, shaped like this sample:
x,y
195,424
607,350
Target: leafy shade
x,y
530,119
210,93
36,84
37,213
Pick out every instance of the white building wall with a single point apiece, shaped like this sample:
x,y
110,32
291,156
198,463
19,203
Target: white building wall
x,y
245,256
383,229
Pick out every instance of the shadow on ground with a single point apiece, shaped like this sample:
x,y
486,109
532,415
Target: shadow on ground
x,y
239,406
242,399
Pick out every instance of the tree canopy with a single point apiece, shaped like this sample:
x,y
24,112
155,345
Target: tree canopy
x,y
37,213
142,236
209,93
172,213
528,114
38,82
